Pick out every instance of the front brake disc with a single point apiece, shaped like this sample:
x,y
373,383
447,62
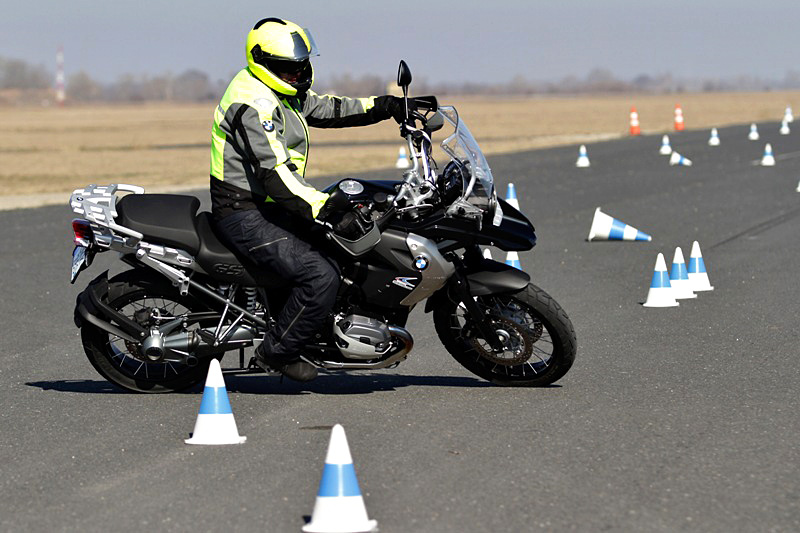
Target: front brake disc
x,y
517,343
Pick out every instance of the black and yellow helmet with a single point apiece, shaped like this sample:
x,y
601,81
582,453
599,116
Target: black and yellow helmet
x,y
278,53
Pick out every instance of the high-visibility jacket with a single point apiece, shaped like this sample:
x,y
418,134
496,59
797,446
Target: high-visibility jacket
x,y
259,144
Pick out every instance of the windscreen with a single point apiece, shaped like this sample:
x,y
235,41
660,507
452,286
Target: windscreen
x,y
462,146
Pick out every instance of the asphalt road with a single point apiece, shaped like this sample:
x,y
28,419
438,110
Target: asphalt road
x,y
679,419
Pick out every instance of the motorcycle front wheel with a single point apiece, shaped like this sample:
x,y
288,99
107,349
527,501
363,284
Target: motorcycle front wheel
x,y
538,338
120,361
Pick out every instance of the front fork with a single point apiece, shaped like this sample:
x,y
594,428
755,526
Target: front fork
x,y
460,288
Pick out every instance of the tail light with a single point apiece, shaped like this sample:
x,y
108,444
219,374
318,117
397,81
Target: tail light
x,y
83,232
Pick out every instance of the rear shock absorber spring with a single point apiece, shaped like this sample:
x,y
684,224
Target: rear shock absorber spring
x,y
251,295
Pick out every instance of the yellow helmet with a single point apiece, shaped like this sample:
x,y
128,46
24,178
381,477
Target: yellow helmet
x,y
278,53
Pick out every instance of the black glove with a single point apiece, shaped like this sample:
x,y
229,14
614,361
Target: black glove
x,y
394,107
348,226
336,202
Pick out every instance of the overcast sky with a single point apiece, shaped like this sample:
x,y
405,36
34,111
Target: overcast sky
x,y
441,40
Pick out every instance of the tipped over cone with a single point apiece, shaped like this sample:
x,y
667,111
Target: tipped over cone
x,y
340,506
698,276
608,228
215,423
660,293
678,159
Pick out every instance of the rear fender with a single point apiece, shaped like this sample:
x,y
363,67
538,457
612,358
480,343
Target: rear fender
x,y
91,307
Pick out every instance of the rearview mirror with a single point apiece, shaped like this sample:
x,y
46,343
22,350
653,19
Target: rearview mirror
x,y
403,75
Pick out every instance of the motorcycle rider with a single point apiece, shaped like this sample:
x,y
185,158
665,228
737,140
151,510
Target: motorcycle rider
x,y
262,206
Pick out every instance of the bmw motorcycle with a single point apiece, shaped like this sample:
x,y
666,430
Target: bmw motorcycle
x,y
187,298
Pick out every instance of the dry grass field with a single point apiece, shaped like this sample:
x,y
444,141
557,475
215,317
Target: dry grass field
x,y
159,146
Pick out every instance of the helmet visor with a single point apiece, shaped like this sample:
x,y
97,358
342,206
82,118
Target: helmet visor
x,y
312,44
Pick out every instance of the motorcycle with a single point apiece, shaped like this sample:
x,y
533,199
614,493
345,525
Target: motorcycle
x,y
187,298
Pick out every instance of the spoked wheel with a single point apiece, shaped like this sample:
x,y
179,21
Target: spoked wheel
x,y
538,338
124,363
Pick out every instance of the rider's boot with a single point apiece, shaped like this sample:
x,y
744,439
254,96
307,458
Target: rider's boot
x,y
292,367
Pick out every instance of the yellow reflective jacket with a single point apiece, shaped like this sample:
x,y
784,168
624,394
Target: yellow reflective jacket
x,y
259,144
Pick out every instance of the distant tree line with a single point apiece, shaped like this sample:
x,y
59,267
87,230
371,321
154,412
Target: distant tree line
x,y
23,83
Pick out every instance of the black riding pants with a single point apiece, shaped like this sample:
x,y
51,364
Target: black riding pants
x,y
267,240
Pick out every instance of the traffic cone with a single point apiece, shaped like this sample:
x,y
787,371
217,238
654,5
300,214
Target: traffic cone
x,y
678,118
583,157
798,186
666,149
753,135
660,293
785,127
768,160
402,159
678,159
635,129
787,115
512,259
697,270
339,507
511,196
679,277
608,228
714,139
215,423
487,253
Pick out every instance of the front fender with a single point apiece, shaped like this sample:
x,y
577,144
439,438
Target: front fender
x,y
488,277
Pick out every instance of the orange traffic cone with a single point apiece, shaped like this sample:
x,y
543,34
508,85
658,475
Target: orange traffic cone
x,y
678,118
635,129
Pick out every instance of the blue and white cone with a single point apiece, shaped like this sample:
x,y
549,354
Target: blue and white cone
x,y
583,158
679,277
512,259
787,115
511,196
678,159
785,128
608,228
768,160
753,135
714,139
665,149
402,159
660,293
215,423
697,270
339,507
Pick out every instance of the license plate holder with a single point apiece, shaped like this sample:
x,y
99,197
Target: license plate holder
x,y
81,258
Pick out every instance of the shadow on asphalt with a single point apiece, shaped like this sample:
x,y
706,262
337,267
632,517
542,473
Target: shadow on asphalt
x,y
261,384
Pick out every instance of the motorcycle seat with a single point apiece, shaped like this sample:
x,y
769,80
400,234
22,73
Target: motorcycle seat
x,y
166,219
222,264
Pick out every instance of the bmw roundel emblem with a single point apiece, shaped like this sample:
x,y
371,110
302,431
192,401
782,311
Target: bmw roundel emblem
x,y
420,262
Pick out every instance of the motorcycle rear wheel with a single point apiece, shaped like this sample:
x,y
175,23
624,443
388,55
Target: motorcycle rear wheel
x,y
117,360
539,339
